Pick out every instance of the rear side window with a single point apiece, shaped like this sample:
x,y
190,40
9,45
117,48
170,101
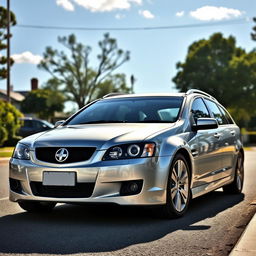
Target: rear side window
x,y
28,123
37,124
227,115
199,109
217,114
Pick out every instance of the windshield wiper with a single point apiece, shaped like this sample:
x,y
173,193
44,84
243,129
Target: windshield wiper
x,y
105,121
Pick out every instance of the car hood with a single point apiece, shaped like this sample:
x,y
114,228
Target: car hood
x,y
101,136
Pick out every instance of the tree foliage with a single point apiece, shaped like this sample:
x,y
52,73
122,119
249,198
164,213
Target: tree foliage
x,y
43,102
9,121
115,83
3,37
227,72
79,80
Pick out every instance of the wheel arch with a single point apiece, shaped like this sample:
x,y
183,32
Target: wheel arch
x,y
187,156
185,152
242,152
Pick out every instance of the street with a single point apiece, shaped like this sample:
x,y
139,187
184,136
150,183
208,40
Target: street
x,y
212,225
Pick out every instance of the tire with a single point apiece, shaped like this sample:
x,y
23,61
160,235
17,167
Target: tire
x,y
178,194
236,186
38,207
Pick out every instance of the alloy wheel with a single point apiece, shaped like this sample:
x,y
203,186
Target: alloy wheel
x,y
239,173
179,185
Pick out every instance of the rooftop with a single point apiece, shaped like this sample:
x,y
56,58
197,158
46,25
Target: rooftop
x,y
14,95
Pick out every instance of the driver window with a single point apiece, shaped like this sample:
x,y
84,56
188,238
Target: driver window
x,y
199,109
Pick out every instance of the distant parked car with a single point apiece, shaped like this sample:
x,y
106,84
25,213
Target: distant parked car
x,y
32,125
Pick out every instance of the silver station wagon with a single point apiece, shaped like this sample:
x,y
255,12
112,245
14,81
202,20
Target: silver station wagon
x,y
153,149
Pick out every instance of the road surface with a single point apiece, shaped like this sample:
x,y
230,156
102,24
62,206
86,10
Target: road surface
x,y
212,226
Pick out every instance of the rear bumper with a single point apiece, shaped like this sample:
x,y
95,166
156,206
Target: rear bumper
x,y
107,176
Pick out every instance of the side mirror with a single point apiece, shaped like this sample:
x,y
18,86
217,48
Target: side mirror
x,y
58,123
205,124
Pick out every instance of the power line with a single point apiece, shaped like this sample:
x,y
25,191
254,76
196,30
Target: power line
x,y
221,23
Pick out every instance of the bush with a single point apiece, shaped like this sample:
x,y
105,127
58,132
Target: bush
x,y
9,121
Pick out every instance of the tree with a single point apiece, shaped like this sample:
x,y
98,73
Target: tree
x,y
43,102
253,35
219,67
115,83
9,121
3,37
79,80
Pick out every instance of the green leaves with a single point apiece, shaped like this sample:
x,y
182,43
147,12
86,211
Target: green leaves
x,y
219,67
3,37
9,121
44,102
80,81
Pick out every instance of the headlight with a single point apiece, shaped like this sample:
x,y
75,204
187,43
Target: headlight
x,y
128,151
21,152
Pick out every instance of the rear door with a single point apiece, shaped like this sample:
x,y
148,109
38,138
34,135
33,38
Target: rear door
x,y
232,133
205,146
226,139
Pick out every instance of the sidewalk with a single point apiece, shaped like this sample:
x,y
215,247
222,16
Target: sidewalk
x,y
246,245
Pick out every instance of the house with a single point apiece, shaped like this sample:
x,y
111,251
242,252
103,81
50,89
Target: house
x,y
18,96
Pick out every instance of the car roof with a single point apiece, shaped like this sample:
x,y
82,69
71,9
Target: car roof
x,y
191,92
29,118
141,95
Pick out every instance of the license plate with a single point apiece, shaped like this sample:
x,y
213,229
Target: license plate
x,y
59,178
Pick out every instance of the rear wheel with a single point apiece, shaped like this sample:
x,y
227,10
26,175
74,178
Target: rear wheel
x,y
34,206
178,189
237,185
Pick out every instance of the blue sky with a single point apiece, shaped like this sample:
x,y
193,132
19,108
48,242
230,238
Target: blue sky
x,y
154,53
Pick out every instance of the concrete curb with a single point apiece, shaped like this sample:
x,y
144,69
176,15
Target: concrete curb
x,y
246,245
4,159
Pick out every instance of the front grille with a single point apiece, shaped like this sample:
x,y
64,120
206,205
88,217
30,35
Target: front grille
x,y
80,190
75,154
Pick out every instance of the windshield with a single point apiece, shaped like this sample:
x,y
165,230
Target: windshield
x,y
130,110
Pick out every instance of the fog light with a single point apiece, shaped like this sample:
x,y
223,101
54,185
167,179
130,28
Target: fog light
x,y
132,187
15,185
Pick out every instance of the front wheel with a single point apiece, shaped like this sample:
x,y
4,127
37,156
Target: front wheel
x,y
237,185
34,206
178,189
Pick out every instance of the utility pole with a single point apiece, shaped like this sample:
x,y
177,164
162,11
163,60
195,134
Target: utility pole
x,y
8,80
133,80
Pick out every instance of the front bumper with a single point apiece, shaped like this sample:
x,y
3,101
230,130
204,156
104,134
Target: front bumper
x,y
107,176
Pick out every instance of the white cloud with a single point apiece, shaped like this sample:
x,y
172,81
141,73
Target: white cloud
x,y
66,4
27,57
180,14
147,14
106,5
119,16
208,13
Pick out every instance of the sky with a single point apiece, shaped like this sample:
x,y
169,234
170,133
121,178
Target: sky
x,y
154,53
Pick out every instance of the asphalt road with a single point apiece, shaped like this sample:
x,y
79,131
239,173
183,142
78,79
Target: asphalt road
x,y
212,226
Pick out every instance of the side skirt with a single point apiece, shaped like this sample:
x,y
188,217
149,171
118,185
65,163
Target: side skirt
x,y
203,189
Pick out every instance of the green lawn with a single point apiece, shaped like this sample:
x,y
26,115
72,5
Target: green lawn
x,y
6,151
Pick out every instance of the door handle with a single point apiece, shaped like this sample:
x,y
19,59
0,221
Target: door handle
x,y
233,133
217,135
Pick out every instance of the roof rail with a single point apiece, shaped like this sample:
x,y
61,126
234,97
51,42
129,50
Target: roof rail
x,y
113,94
190,91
